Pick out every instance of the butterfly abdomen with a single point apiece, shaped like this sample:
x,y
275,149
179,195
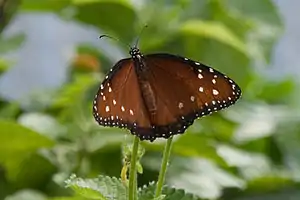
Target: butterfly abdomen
x,y
147,90
149,98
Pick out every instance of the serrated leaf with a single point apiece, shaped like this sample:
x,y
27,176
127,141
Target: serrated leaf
x,y
178,194
161,197
103,187
148,192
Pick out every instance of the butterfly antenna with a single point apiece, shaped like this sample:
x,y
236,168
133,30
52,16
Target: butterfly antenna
x,y
138,38
113,38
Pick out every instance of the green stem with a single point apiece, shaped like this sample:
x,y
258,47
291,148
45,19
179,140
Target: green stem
x,y
163,169
132,175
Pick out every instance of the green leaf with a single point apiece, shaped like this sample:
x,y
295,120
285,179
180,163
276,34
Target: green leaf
x,y
9,111
19,169
11,43
264,23
139,167
148,192
214,30
8,9
17,140
117,17
44,5
26,195
292,193
4,66
68,198
269,183
193,145
17,154
74,91
261,10
178,194
105,137
102,187
269,91
42,123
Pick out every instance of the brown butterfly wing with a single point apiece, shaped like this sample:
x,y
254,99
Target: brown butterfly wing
x,y
119,101
186,90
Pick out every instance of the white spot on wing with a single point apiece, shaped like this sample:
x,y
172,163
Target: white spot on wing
x,y
215,92
107,108
200,76
201,89
114,102
131,112
214,81
122,108
180,105
192,98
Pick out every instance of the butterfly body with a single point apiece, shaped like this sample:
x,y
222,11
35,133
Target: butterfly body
x,y
142,71
160,95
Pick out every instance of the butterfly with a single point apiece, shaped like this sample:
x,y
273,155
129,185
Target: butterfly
x,y
160,95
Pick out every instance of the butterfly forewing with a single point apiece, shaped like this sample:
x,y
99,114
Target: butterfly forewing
x,y
118,101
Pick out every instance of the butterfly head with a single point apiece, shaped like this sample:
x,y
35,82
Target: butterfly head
x,y
135,52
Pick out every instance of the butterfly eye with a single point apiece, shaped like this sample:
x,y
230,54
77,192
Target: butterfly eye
x,y
160,95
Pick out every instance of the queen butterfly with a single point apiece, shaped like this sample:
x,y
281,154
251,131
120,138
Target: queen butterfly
x,y
160,95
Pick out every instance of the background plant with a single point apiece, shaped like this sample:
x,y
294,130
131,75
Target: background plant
x,y
250,151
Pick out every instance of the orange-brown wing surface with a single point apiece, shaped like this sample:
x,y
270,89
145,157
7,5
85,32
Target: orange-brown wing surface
x,y
186,90
119,101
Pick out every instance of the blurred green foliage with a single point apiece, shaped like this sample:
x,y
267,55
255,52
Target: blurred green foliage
x,y
250,151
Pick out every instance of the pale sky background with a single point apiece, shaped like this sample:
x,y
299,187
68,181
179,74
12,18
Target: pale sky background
x,y
43,59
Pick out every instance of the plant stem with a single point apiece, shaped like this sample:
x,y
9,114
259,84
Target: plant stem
x,y
132,175
163,169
